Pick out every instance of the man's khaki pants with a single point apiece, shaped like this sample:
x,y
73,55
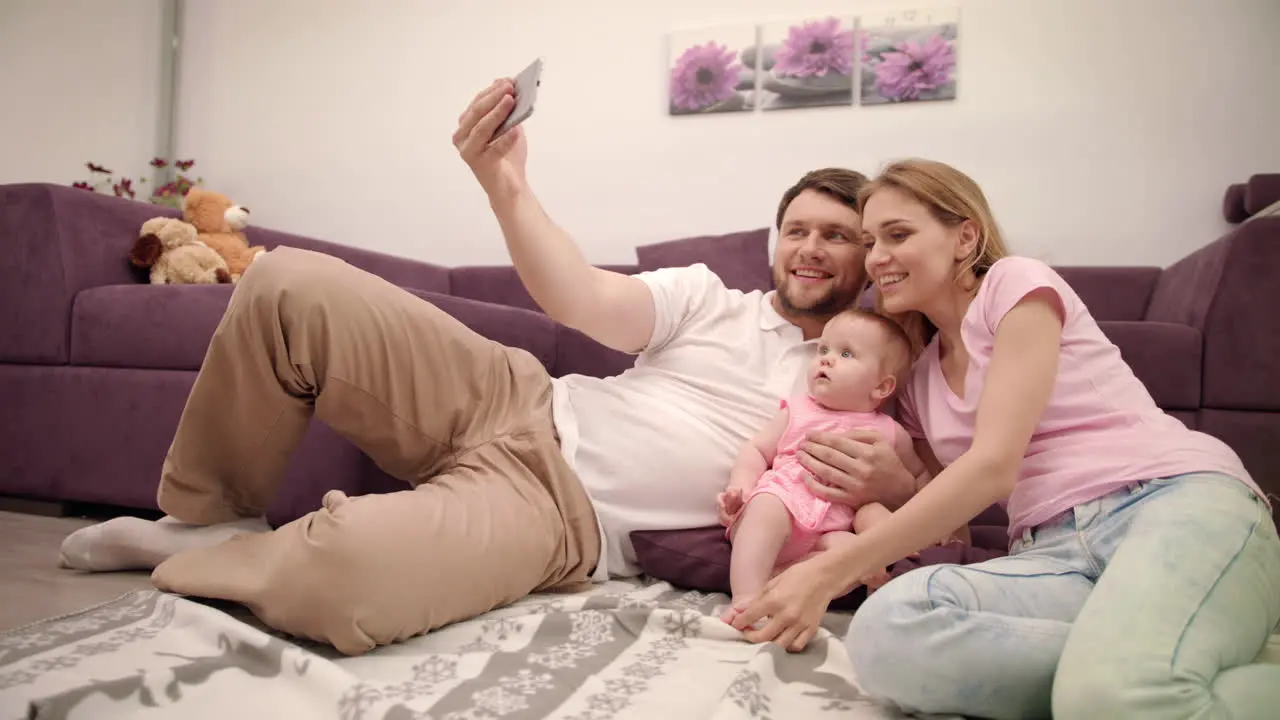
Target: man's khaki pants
x,y
494,512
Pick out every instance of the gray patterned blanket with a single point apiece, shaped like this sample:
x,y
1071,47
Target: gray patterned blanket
x,y
621,650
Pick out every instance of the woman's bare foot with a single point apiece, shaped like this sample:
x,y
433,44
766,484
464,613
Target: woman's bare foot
x,y
129,543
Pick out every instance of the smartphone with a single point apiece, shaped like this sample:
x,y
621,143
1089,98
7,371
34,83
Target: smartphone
x,y
526,92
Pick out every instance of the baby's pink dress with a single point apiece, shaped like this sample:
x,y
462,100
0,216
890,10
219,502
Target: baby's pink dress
x,y
811,516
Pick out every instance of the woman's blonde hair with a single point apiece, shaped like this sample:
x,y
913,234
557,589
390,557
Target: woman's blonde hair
x,y
952,198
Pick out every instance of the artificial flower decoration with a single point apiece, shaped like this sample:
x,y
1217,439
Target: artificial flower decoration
x,y
169,194
703,76
123,188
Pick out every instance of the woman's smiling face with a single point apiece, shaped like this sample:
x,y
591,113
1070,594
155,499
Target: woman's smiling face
x,y
911,255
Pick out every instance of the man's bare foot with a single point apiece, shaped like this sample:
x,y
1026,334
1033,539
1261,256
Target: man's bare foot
x,y
129,543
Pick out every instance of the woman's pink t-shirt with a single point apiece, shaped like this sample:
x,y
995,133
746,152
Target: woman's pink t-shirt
x,y
1100,431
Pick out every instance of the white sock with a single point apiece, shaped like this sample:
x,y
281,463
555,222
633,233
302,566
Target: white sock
x,y
129,543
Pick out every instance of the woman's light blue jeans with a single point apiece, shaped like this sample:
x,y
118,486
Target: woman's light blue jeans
x,y
1150,602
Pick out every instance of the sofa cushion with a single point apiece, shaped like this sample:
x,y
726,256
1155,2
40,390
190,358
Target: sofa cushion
x,y
698,558
577,354
146,326
740,259
1261,191
169,327
1166,357
513,327
501,284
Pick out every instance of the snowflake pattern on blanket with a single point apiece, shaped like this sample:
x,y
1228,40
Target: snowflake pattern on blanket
x,y
621,650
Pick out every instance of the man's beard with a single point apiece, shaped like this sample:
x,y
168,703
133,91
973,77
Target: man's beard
x,y
834,301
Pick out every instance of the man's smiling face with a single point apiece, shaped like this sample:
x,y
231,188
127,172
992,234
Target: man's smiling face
x,y
818,262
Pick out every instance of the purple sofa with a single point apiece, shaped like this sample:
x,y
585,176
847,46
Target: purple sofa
x,y
95,364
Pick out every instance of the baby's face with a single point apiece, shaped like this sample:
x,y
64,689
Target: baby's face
x,y
848,372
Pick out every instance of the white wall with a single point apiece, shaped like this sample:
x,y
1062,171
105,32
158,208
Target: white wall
x,y
1103,132
79,83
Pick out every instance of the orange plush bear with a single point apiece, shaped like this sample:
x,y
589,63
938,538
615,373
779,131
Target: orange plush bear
x,y
219,222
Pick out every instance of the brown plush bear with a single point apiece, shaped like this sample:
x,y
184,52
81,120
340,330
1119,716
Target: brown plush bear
x,y
219,222
170,249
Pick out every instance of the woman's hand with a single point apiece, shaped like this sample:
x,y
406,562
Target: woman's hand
x,y
856,468
794,603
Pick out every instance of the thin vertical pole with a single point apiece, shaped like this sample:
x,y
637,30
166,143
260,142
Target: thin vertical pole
x,y
170,56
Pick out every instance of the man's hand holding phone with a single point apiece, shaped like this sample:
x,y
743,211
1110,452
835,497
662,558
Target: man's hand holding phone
x,y
489,137
498,163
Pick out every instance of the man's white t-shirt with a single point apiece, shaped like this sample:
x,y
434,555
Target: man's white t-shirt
x,y
654,445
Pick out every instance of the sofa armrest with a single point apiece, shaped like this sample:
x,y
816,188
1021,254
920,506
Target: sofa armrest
x,y
57,241
1229,291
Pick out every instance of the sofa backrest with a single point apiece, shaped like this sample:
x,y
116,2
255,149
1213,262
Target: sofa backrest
x,y
397,270
1227,290
1113,293
741,259
561,350
501,284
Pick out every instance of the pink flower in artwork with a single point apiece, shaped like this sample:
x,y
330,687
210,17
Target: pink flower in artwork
x,y
82,186
814,49
704,75
911,68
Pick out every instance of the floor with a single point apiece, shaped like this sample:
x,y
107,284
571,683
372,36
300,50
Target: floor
x,y
33,587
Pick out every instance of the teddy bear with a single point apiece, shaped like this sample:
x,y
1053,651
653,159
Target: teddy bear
x,y
219,222
168,246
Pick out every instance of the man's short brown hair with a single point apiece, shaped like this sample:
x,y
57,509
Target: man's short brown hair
x,y
839,183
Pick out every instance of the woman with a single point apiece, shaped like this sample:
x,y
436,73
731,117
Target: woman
x,y
1143,576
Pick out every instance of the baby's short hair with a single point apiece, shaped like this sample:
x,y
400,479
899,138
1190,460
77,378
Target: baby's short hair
x,y
897,347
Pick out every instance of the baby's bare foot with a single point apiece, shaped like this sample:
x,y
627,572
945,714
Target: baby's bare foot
x,y
732,612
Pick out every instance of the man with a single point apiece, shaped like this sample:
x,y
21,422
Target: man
x,y
520,483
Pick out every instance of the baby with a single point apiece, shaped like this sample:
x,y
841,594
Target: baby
x,y
773,518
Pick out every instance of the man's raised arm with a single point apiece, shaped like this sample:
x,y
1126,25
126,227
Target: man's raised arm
x,y
614,309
